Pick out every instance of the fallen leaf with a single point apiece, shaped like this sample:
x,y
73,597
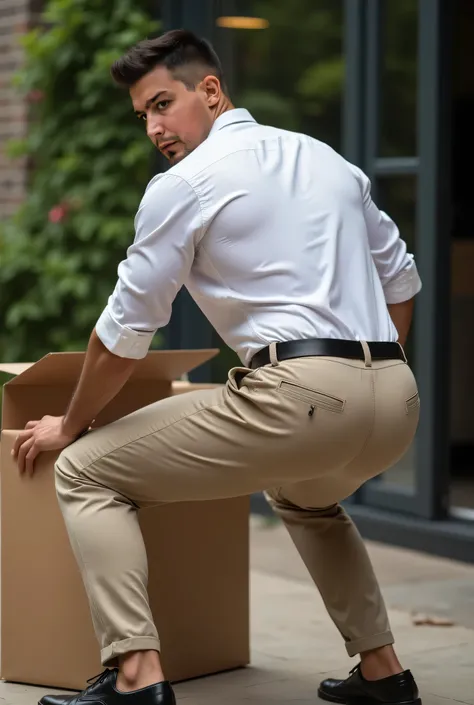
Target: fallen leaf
x,y
431,621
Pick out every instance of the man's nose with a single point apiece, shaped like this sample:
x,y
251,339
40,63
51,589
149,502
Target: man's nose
x,y
154,128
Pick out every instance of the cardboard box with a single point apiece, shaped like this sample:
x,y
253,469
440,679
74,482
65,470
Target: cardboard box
x,y
198,552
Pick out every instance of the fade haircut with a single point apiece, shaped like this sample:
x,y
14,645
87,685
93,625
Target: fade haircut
x,y
187,57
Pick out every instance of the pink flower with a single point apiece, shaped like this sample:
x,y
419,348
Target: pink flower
x,y
35,96
57,213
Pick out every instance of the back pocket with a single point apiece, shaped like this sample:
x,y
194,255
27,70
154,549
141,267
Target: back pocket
x,y
311,396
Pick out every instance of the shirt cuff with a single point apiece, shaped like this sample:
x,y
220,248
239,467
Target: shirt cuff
x,y
120,340
404,286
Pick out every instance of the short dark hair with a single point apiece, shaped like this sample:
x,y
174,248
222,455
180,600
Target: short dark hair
x,y
177,50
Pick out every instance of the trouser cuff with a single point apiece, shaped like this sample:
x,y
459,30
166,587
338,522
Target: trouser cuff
x,y
367,643
109,655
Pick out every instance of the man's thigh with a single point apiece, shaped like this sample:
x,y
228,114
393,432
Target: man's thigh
x,y
233,440
206,444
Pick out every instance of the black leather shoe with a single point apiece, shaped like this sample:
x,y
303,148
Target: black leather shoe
x,y
356,690
102,691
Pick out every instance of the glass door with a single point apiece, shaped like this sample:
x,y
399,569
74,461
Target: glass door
x,y
396,128
462,261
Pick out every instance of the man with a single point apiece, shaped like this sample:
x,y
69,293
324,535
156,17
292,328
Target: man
x,y
277,239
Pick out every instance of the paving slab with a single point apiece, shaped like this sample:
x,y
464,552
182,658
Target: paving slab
x,y
410,580
295,645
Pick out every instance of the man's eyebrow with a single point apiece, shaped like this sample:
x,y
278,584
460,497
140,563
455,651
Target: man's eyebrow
x,y
150,101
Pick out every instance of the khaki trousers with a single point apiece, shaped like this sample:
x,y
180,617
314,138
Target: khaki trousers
x,y
308,431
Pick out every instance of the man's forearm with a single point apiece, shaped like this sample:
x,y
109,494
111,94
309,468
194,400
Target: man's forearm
x,y
401,315
103,376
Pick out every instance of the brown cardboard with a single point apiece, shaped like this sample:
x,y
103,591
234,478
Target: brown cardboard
x,y
198,552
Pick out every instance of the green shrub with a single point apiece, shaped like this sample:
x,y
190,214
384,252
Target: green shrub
x,y
91,162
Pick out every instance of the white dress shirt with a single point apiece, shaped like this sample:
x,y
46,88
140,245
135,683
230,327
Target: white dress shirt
x,y
276,238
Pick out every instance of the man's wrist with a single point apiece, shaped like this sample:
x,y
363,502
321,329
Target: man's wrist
x,y
74,430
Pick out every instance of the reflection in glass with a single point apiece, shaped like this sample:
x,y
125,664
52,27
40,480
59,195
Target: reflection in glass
x,y
462,144
402,474
462,385
289,75
398,79
462,301
242,22
396,195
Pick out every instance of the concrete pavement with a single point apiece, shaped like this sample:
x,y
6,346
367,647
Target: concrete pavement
x,y
294,644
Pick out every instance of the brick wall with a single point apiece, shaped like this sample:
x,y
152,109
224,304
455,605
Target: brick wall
x,y
16,17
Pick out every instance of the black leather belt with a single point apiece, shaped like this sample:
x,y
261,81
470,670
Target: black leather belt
x,y
328,347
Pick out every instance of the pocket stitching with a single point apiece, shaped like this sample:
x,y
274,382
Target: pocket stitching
x,y
412,403
311,396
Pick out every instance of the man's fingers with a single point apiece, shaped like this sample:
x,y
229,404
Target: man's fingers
x,y
22,453
31,424
30,459
20,439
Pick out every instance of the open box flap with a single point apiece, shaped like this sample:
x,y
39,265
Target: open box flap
x,y
60,368
15,368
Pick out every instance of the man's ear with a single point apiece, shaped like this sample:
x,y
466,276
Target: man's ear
x,y
211,86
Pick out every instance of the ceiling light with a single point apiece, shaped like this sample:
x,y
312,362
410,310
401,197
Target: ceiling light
x,y
236,22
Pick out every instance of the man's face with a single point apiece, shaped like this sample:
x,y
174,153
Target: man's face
x,y
177,119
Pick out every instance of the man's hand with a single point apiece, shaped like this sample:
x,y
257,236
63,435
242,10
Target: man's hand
x,y
103,376
38,436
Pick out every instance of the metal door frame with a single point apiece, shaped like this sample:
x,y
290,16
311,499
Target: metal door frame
x,y
188,327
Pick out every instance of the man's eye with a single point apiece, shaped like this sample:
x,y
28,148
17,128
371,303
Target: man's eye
x,y
142,117
162,104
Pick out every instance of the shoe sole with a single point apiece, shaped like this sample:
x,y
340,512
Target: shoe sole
x,y
363,700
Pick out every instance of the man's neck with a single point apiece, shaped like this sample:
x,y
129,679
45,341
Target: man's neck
x,y
222,108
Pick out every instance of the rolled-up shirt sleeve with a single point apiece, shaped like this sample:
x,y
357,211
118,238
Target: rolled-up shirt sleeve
x,y
168,227
396,267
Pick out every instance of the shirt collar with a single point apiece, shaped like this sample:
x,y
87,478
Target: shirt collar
x,y
231,117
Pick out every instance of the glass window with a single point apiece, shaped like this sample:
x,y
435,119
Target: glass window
x,y
462,144
398,79
289,74
462,261
396,195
